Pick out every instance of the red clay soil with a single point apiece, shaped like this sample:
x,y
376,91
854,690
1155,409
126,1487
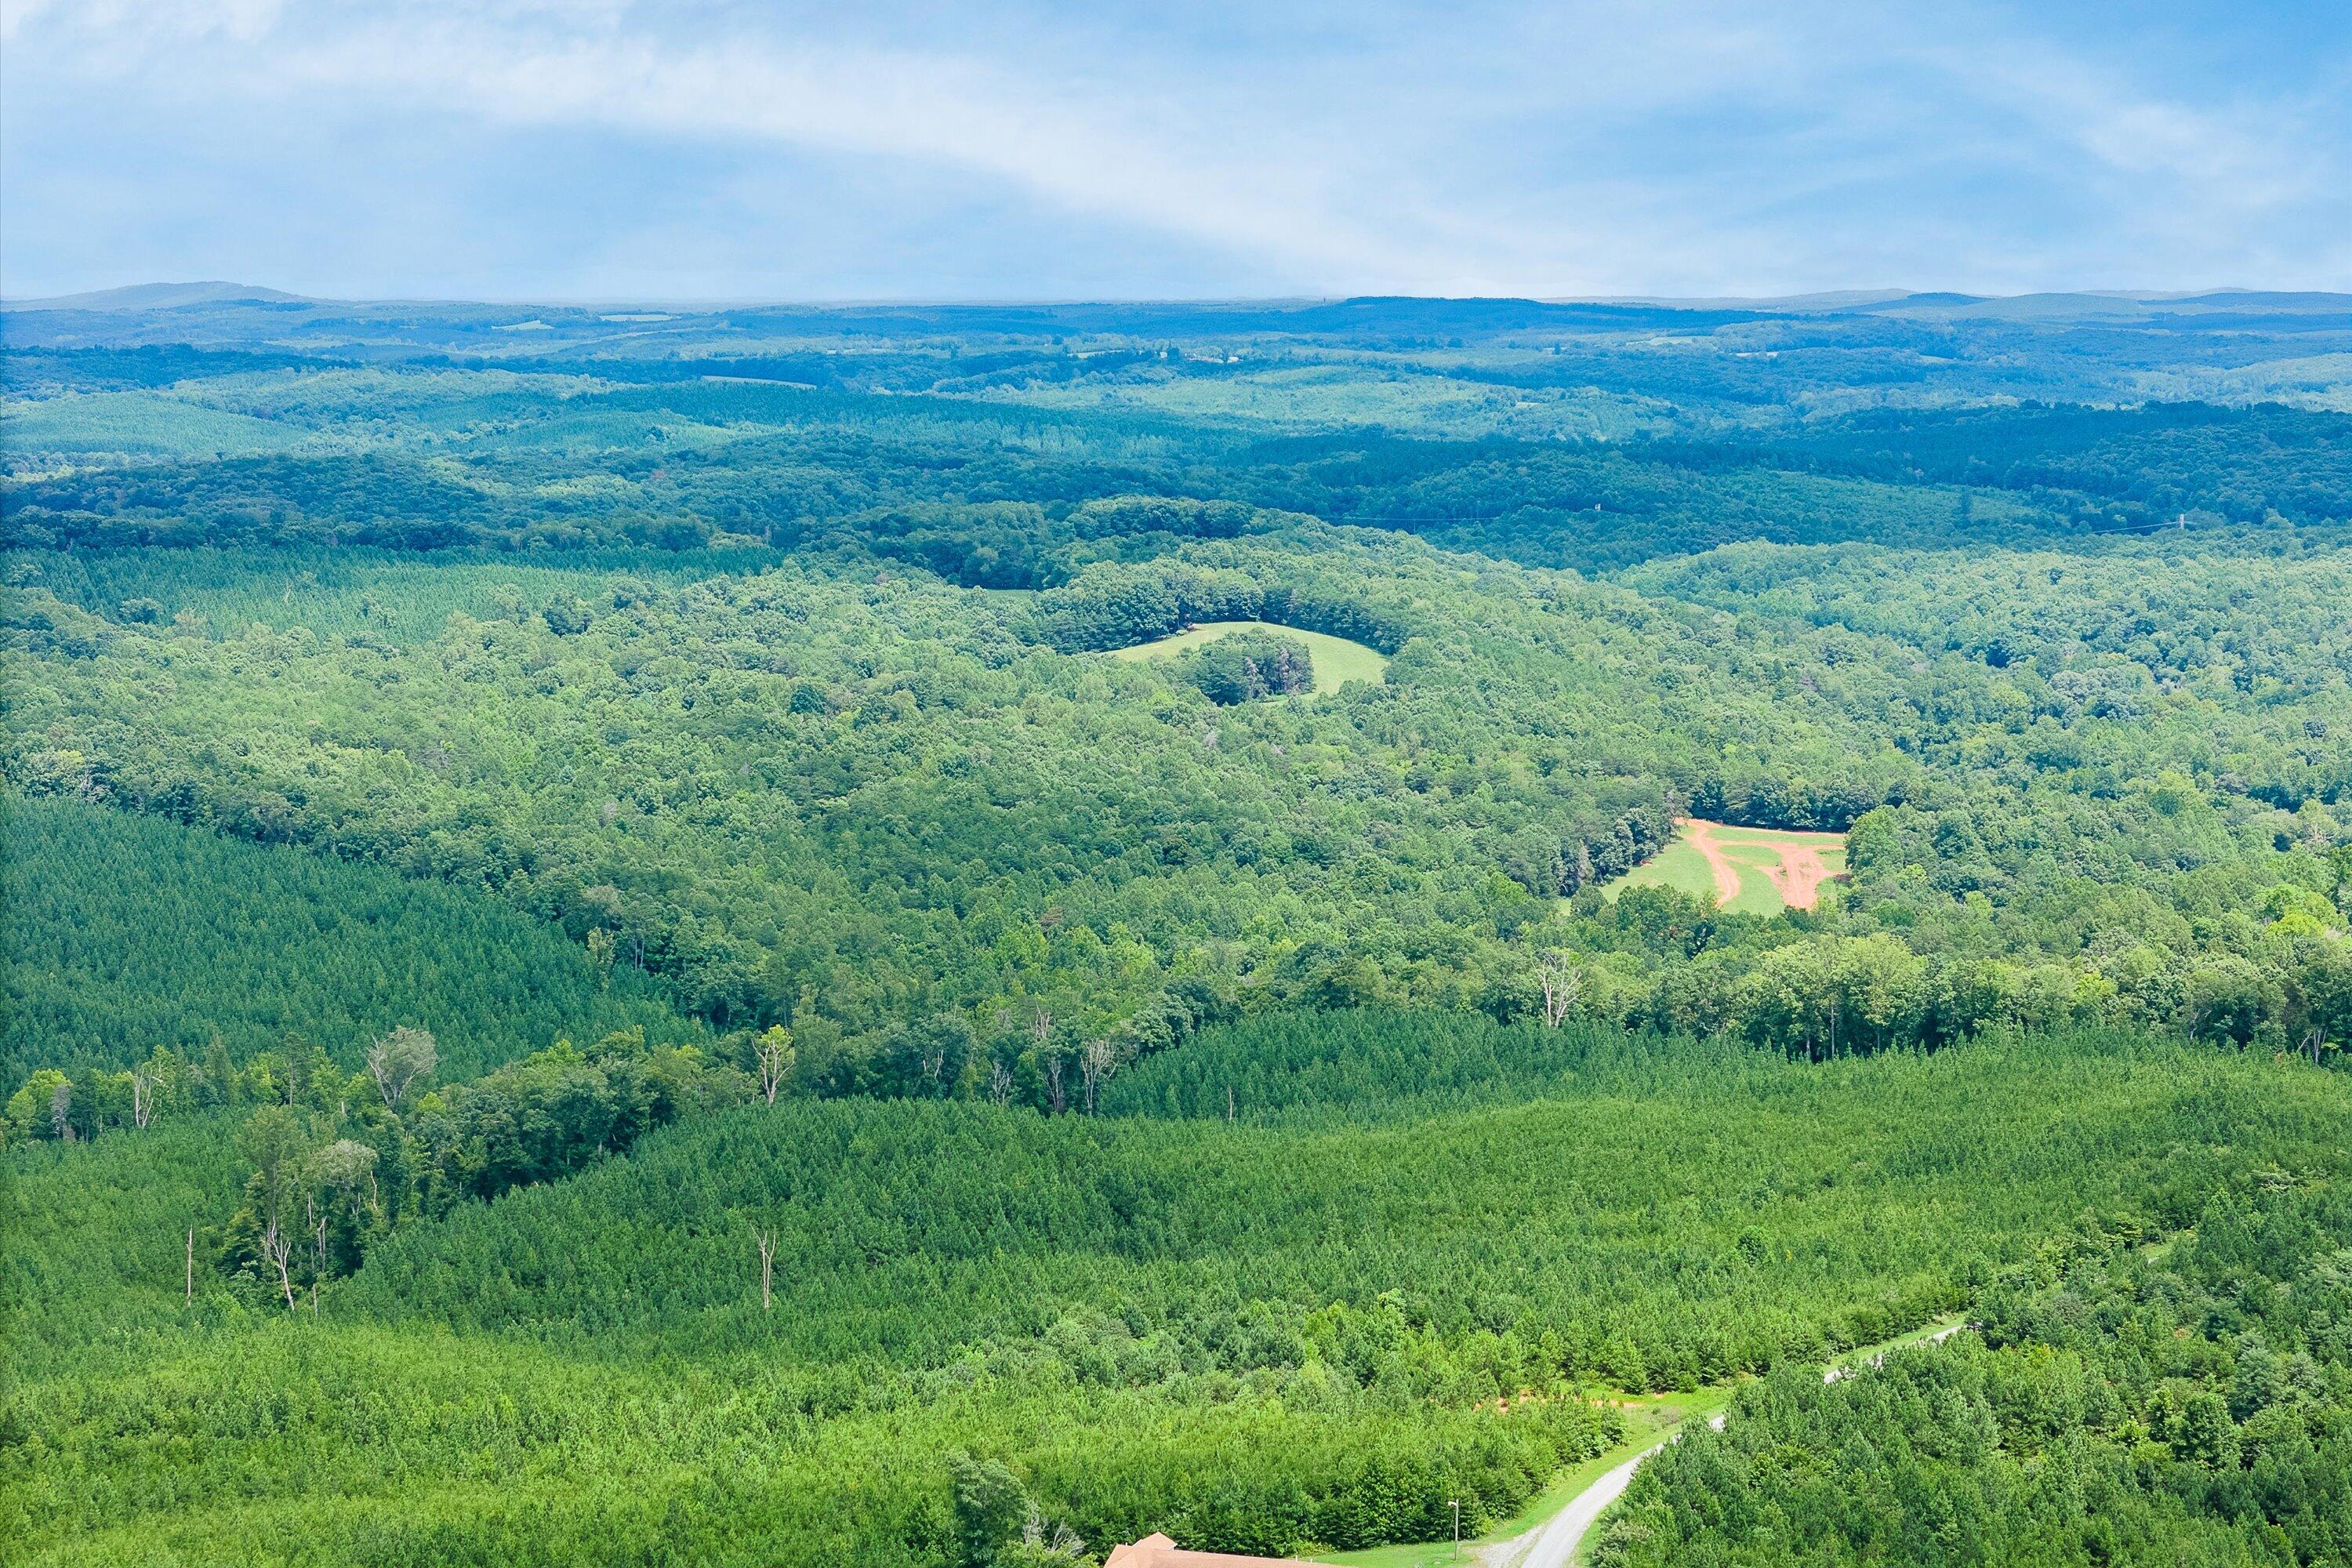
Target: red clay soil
x,y
1799,875
1159,1552
1702,838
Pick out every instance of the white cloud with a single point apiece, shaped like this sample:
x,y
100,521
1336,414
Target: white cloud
x,y
1538,149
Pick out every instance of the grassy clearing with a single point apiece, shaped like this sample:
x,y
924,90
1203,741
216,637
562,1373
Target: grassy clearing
x,y
1752,853
1829,846
1678,866
1337,660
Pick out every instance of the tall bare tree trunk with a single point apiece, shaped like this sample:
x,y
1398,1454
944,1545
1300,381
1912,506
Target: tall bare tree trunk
x,y
774,1050
767,1239
278,1247
191,1265
1099,1061
1562,982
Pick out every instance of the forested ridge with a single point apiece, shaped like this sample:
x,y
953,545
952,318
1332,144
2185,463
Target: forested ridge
x,y
2105,797
604,961
1287,1330
127,932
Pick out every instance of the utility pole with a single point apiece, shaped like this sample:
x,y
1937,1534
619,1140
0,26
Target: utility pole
x,y
1455,1504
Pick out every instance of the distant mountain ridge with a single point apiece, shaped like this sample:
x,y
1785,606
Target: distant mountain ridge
x,y
1489,308
161,297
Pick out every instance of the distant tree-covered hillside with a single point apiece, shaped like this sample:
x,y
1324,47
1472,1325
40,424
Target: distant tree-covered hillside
x,y
124,934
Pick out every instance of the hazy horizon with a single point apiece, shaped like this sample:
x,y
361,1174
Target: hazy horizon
x,y
1824,298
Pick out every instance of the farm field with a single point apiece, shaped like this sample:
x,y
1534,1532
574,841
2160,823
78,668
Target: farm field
x,y
1747,870
1336,659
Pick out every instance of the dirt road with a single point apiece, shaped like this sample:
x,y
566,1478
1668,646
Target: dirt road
x,y
1555,1545
1702,838
1798,876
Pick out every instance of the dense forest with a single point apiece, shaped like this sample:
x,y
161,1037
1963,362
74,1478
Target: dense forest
x,y
1287,1329
127,933
2121,1398
686,937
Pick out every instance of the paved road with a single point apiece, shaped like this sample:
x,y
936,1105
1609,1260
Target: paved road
x,y
1555,1543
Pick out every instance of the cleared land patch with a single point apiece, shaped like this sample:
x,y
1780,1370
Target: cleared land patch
x,y
1750,870
1337,660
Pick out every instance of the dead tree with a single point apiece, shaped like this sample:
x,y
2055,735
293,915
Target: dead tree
x,y
774,1051
1000,1081
767,1240
142,1099
191,1265
316,1214
398,1060
1562,984
1049,1061
1096,1065
278,1247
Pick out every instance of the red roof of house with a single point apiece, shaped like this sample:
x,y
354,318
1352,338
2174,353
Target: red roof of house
x,y
1156,1550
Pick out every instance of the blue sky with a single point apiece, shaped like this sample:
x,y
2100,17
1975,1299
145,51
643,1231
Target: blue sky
x,y
602,150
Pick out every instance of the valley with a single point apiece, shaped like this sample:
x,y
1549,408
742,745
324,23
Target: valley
x,y
915,935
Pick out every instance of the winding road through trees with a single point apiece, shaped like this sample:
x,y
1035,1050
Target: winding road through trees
x,y
1553,1544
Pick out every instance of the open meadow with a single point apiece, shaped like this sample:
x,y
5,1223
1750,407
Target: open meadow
x,y
1336,661
1746,870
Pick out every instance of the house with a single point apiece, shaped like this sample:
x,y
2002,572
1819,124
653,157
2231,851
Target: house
x,y
1156,1550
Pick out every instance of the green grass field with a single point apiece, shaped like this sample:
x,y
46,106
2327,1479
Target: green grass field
x,y
1679,866
1752,852
1336,659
